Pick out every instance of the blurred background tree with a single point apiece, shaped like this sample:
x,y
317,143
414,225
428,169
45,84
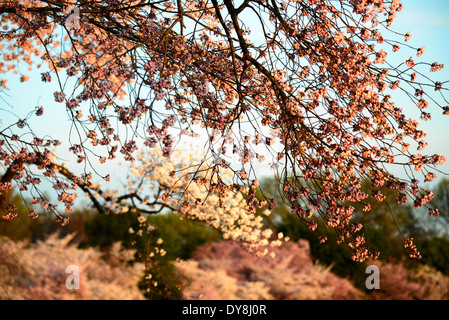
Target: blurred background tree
x,y
385,226
441,201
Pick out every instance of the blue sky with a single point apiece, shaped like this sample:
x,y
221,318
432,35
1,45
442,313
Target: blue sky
x,y
427,21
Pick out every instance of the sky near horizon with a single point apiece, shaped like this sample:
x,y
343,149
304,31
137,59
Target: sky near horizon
x,y
427,21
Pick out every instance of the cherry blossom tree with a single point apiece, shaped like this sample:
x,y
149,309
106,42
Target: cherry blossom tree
x,y
307,87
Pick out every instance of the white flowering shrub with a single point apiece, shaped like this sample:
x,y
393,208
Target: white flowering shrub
x,y
156,182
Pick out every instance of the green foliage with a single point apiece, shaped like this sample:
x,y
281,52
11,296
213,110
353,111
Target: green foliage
x,y
162,282
22,227
441,202
385,226
375,237
25,228
103,230
180,238
435,252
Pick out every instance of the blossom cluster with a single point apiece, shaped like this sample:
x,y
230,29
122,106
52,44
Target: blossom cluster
x,y
317,74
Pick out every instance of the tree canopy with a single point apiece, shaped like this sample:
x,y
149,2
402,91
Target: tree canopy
x,y
306,87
